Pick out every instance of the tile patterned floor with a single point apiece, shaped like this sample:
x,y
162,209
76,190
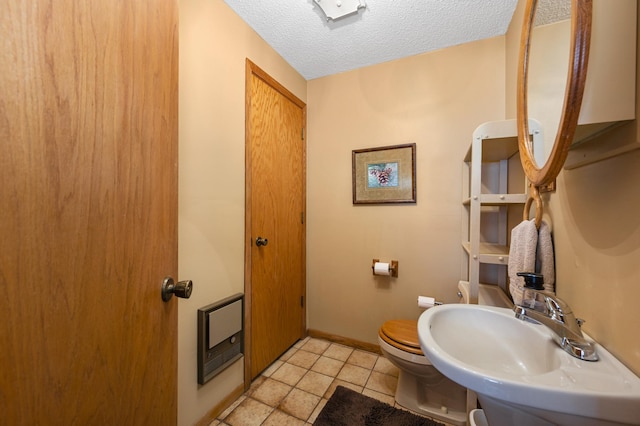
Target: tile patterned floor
x,y
295,388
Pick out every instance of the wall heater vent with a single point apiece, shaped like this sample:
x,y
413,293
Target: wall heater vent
x,y
220,336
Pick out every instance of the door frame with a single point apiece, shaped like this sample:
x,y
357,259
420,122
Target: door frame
x,y
252,69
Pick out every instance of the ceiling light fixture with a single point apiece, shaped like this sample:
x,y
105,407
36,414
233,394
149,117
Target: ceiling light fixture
x,y
336,9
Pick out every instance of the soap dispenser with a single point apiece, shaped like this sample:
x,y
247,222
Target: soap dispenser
x,y
533,284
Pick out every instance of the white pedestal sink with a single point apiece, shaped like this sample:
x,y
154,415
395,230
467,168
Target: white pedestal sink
x,y
521,376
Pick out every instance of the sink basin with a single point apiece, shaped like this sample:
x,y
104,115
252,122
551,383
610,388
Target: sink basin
x,y
521,376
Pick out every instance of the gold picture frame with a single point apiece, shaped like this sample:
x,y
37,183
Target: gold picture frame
x,y
384,175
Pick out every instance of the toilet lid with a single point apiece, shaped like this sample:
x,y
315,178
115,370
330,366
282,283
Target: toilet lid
x,y
402,334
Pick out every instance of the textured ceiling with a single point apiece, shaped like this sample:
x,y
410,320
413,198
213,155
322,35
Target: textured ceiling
x,y
549,11
385,30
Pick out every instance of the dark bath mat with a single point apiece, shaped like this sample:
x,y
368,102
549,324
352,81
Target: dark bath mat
x,y
350,408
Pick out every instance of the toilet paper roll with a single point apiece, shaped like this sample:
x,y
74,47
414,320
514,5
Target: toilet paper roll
x,y
380,268
426,302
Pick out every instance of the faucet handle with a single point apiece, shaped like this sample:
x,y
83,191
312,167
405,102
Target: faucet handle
x,y
554,308
552,304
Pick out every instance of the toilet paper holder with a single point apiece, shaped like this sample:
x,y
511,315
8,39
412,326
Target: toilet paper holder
x,y
393,268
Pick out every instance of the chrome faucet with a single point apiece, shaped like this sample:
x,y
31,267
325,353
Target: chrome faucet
x,y
553,312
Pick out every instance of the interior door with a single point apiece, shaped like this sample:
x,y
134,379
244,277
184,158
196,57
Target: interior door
x,y
88,211
275,214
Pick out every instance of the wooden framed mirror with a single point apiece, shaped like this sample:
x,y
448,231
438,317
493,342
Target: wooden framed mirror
x,y
544,170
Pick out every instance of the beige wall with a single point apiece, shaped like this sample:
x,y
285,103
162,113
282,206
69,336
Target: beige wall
x,y
214,43
596,229
512,49
597,235
435,100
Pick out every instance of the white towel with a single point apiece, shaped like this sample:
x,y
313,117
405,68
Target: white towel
x,y
522,256
545,259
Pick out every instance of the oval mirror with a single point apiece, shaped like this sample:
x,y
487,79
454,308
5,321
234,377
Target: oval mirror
x,y
560,123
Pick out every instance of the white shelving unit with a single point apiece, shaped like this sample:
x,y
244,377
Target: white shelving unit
x,y
493,181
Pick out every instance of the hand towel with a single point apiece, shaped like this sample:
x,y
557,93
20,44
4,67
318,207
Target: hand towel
x,y
522,256
545,263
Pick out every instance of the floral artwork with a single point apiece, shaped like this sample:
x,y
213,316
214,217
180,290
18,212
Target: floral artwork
x,y
382,175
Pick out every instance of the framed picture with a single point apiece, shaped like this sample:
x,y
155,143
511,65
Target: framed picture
x,y
385,174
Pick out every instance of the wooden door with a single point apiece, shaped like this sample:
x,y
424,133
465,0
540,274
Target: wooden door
x,y
275,272
88,211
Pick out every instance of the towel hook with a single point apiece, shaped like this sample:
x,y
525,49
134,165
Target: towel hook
x,y
534,195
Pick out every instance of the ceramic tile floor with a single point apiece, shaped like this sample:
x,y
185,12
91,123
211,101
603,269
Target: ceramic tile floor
x,y
295,388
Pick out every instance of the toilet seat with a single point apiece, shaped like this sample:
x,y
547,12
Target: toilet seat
x,y
421,387
402,335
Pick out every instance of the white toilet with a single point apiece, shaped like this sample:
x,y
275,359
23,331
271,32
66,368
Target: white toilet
x,y
421,388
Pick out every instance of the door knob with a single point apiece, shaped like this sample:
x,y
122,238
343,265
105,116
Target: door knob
x,y
261,241
182,289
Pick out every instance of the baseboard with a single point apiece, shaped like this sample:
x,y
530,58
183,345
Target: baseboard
x,y
222,405
370,347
